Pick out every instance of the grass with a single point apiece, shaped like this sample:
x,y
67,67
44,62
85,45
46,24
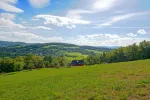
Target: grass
x,y
117,81
95,51
75,56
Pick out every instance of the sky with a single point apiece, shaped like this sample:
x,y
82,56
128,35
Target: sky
x,y
81,22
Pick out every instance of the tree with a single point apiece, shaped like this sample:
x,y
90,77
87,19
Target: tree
x,y
48,58
145,48
90,60
47,64
18,66
60,61
29,64
55,62
6,65
128,53
19,59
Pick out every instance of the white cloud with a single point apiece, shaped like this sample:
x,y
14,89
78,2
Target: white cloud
x,y
131,35
92,36
103,40
71,27
123,41
76,14
40,27
10,1
142,32
61,21
27,37
126,27
8,5
92,6
39,3
6,21
98,36
113,36
116,19
7,16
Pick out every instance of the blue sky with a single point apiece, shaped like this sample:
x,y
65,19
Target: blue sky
x,y
81,22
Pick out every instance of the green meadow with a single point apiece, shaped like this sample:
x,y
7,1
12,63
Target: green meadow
x,y
95,51
116,81
75,56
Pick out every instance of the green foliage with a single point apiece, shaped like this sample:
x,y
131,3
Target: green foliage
x,y
31,61
75,56
128,53
55,49
61,61
6,65
29,64
48,58
47,64
18,66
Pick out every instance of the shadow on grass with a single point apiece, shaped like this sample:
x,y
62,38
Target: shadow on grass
x,y
12,73
7,74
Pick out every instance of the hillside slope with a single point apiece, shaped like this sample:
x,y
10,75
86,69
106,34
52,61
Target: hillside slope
x,y
117,81
47,49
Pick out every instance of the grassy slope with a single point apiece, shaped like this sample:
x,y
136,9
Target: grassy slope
x,y
76,56
128,80
95,51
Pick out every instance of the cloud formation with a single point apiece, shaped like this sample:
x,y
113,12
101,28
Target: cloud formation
x,y
61,21
116,19
92,6
142,32
131,35
8,5
27,37
105,40
7,21
40,27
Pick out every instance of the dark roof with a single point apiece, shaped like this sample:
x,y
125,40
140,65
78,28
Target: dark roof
x,y
77,62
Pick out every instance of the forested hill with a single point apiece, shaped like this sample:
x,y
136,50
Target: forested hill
x,y
6,43
13,49
129,53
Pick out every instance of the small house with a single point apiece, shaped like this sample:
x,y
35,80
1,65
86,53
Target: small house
x,y
77,63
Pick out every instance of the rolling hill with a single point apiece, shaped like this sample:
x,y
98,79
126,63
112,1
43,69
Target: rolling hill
x,y
13,49
6,43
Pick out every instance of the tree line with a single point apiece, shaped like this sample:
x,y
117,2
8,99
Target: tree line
x,y
31,61
128,53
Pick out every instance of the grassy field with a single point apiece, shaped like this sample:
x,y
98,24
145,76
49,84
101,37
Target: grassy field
x,y
76,56
95,51
117,81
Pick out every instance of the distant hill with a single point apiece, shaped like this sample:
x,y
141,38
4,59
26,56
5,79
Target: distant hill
x,y
110,47
13,49
6,43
